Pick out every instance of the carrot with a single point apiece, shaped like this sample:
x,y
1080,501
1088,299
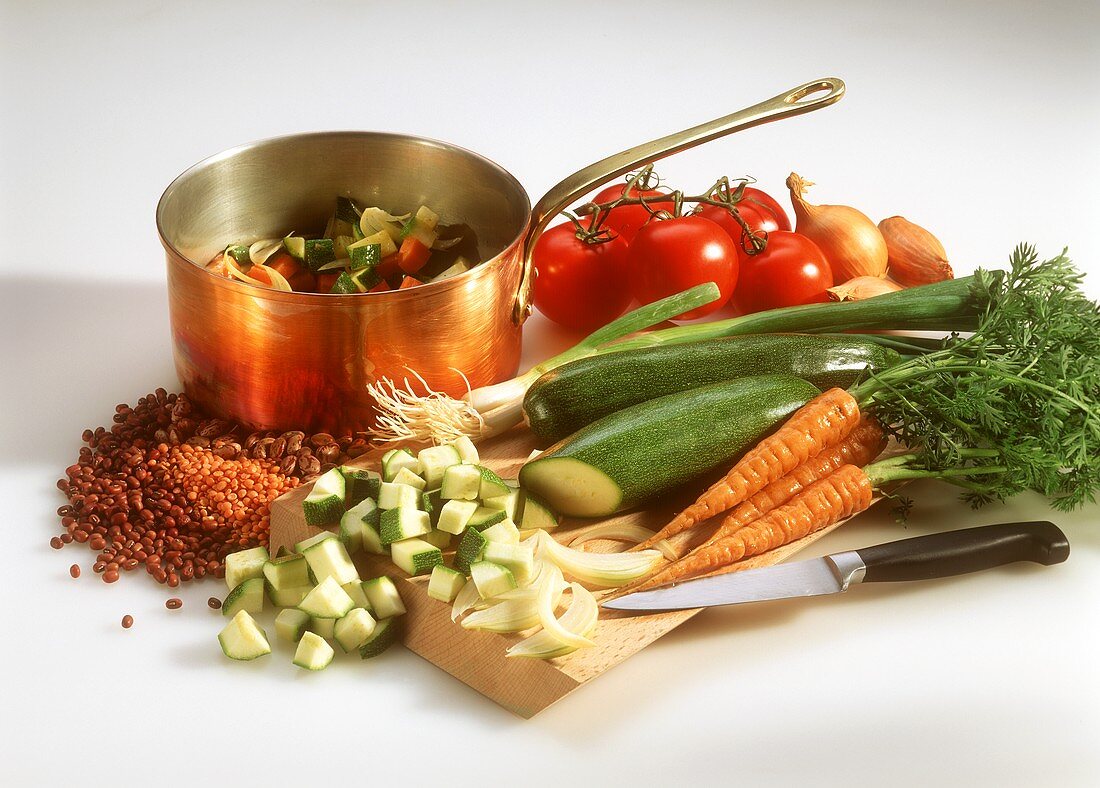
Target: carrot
x,y
864,444
827,501
822,422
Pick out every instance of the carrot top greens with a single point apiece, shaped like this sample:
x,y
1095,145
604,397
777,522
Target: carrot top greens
x,y
1013,406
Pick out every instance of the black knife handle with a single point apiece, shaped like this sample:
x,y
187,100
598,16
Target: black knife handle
x,y
966,550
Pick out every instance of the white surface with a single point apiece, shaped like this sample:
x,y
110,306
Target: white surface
x,y
975,119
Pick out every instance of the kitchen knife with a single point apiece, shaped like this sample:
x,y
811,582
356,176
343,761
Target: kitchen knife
x,y
920,558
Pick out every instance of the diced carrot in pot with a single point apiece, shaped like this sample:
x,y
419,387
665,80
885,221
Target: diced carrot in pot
x,y
412,255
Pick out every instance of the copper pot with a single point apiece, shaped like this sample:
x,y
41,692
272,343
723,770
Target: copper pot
x,y
275,360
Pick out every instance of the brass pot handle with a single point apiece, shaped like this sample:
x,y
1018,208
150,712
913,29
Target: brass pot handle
x,y
580,183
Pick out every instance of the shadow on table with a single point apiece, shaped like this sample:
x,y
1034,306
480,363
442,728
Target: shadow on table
x,y
70,352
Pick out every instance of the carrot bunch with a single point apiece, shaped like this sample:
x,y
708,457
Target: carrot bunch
x,y
802,478
1012,407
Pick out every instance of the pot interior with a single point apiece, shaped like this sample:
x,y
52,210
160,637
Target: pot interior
x,y
269,188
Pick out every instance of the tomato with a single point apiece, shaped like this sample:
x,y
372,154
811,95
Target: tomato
x,y
671,255
758,220
627,219
791,270
409,281
577,284
762,200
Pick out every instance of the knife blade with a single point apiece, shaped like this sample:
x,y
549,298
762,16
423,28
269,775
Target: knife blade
x,y
919,558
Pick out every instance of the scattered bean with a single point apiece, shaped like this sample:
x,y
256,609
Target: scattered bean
x,y
74,571
127,621
214,603
175,603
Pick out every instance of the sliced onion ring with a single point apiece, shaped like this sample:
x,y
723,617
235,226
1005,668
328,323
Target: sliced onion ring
x,y
621,532
546,603
581,618
261,250
599,569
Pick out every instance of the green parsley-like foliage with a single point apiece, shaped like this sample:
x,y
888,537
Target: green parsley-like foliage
x,y
1014,406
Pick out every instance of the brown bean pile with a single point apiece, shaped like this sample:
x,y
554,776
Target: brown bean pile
x,y
174,491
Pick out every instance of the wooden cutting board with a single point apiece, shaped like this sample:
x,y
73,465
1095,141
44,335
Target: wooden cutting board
x,y
523,686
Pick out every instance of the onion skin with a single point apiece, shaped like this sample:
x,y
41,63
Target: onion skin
x,y
862,287
916,257
849,240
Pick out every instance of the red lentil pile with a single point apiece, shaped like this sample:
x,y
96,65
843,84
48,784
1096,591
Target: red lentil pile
x,y
174,491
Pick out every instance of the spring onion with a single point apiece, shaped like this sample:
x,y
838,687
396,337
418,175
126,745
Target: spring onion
x,y
944,306
490,410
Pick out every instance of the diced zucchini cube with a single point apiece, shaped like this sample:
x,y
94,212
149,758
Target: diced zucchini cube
x,y
415,556
405,476
434,461
286,572
470,550
360,483
364,255
520,559
325,627
291,624
426,217
350,533
244,565
353,630
354,589
466,449
312,540
248,596
431,502
313,653
491,485
461,483
440,539
372,540
242,638
327,600
329,558
536,514
445,583
365,513
491,579
393,496
511,504
383,596
455,515
503,531
403,523
386,244
396,459
288,597
483,517
325,502
384,636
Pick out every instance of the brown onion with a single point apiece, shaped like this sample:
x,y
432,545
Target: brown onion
x,y
916,256
849,240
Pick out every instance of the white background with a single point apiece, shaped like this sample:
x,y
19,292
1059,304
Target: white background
x,y
977,120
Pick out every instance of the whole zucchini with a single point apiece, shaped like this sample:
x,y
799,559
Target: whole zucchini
x,y
567,398
653,447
